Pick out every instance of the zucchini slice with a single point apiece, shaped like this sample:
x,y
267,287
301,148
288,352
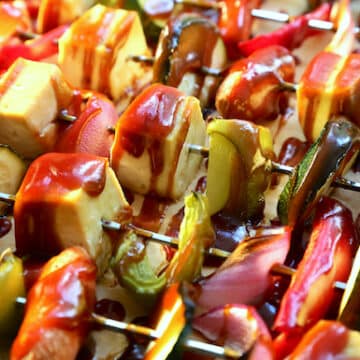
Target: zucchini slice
x,y
331,155
188,44
12,171
12,285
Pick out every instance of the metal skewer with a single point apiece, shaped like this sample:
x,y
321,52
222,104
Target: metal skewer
x,y
124,327
287,170
279,269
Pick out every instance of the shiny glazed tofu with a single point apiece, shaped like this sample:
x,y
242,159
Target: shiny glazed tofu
x,y
94,51
61,203
30,125
150,152
53,13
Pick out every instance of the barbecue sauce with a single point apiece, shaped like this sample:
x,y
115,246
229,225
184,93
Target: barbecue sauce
x,y
198,38
70,277
96,35
5,225
145,125
48,179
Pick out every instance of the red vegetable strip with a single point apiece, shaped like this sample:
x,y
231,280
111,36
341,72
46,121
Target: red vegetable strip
x,y
328,340
58,308
41,48
244,277
236,326
235,22
290,36
327,258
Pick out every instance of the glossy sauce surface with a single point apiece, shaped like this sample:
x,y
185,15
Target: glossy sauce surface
x,y
48,179
145,125
70,277
194,52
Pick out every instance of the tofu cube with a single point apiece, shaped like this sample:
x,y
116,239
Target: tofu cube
x,y
31,95
94,51
61,203
150,153
53,13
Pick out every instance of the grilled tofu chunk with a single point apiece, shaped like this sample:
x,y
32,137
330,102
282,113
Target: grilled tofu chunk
x,y
53,13
94,51
61,203
150,152
31,95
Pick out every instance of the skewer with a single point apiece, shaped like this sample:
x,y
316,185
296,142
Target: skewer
x,y
264,14
65,116
152,334
287,170
278,269
160,238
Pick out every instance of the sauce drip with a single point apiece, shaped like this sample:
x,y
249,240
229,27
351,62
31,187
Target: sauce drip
x,y
151,214
5,225
145,125
229,231
196,51
48,179
110,308
292,151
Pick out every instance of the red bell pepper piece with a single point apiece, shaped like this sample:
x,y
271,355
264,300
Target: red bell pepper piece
x,y
235,22
90,132
238,327
290,36
41,48
329,82
58,308
260,77
328,340
327,259
244,277
33,8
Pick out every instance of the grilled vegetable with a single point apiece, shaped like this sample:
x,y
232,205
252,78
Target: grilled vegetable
x,y
189,43
39,49
196,235
58,308
244,277
90,132
333,153
240,151
134,265
290,36
12,285
253,89
327,259
323,94
238,327
173,323
328,339
236,23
